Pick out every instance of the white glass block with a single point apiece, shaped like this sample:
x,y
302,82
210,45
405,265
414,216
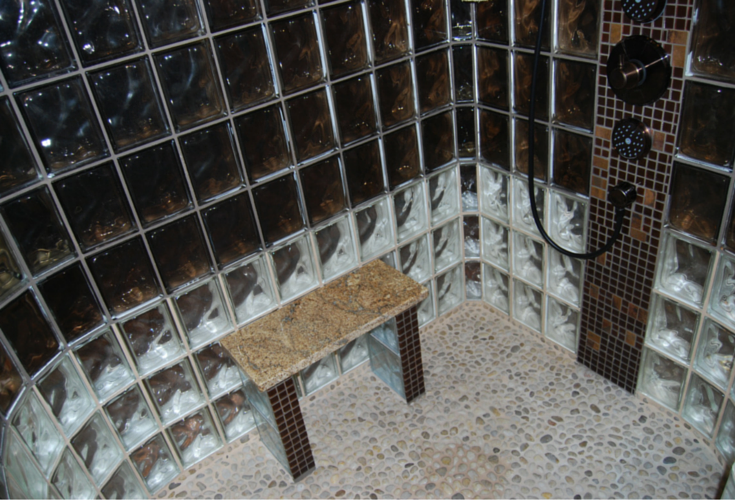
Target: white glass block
x,y
235,414
702,405
20,467
449,290
203,313
105,365
726,435
564,277
494,194
67,396
562,323
661,379
415,259
722,302
152,338
97,447
38,431
473,280
70,479
443,195
527,305
528,259
250,290
174,391
336,248
375,228
294,266
683,268
390,259
386,364
715,352
471,233
425,309
123,484
387,335
218,370
131,417
495,244
497,286
729,491
568,222
155,464
447,245
195,437
410,206
319,374
468,175
671,328
522,214
353,354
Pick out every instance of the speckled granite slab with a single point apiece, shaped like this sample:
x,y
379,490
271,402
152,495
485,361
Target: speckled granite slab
x,y
288,340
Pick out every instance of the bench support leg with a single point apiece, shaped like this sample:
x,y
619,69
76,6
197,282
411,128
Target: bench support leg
x,y
409,344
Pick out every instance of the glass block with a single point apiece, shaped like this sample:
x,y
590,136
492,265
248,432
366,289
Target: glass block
x,y
323,189
702,405
375,229
364,172
195,437
540,149
395,93
575,87
471,227
155,463
572,154
156,183
494,194
231,229
123,484
174,391
244,63
19,465
402,156
562,323
526,16
10,380
437,133
704,130
464,76
389,24
336,247
320,374
492,77
67,396
661,379
466,132
180,252
683,269
528,259
124,276
522,90
38,432
353,354
729,490
725,441
270,437
565,277
468,178
294,266
166,22
259,400
672,329
447,245
495,139
297,52
429,23
527,304
152,339
18,168
129,104
415,260
250,290
33,43
223,14
461,20
202,313
425,308
568,222
522,215
235,414
491,19
263,142
495,243
279,208
713,29
410,207
385,360
473,280
497,288
390,259
355,109
449,290
345,36
715,352
219,371
131,417
70,479
432,76
578,28
311,125
97,448
104,364
443,195
722,301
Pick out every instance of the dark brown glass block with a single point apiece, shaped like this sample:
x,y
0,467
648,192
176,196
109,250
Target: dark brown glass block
x,y
575,94
72,302
461,19
432,75
579,25
492,79
437,134
572,161
180,252
18,168
169,22
730,238
429,23
37,229
279,209
495,139
395,94
245,67
10,381
231,229
471,230
355,109
311,124
491,18
466,132
463,73
705,128
211,160
223,14
156,183
402,156
364,172
277,6
526,16
389,25
10,273
698,198
124,276
28,332
523,80
263,142
297,52
95,206
712,40
468,182
324,192
473,280
540,149
345,35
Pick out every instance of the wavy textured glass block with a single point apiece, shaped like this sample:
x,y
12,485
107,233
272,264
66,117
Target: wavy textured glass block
x,y
713,33
67,396
387,335
568,222
572,161
522,89
495,139
195,437
471,231
395,93
263,142
461,19
20,467
425,309
522,216
468,179
223,14
355,109
579,27
375,229
528,259
432,76
671,328
527,305
105,365
564,277
575,88
429,23
319,374
495,243
202,313
180,252
279,208
323,189
297,52
402,160
494,193
168,22
410,210
10,381
683,269
389,259
311,125
497,288
152,339
725,441
10,273
491,20
131,417
389,24
473,280
294,267
562,324
702,405
174,391
540,149
235,414
526,15
722,300
353,354
415,259
220,373
661,379
437,134
492,77
345,38
443,195
231,229
18,168
447,245
449,290
70,479
386,364
155,463
464,90
364,172
466,132
250,290
336,247
123,484
97,448
38,431
715,352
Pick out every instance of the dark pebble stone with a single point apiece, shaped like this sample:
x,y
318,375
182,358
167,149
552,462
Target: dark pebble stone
x,y
515,348
594,408
430,486
373,496
669,460
546,438
588,473
282,484
496,450
458,496
678,450
577,497
661,470
218,496
643,419
173,485
409,464
552,458
340,493
588,495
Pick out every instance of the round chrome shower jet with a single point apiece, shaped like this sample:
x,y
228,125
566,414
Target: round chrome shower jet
x,y
643,11
632,139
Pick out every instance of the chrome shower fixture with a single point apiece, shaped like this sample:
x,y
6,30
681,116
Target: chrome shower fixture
x,y
643,11
638,70
632,139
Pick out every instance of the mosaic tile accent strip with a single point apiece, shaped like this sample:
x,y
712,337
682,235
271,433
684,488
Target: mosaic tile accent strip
x,y
409,343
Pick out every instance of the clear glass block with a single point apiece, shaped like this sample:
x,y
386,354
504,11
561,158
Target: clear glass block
x,y
562,323
294,266
97,447
152,338
568,222
123,484
167,23
495,243
471,230
725,440
203,313
683,269
195,437
19,465
447,245
375,228
235,414
473,280
70,479
250,290
468,178
527,305
11,380
722,301
715,352
131,417
67,396
661,379
219,371
353,354
671,328
387,335
270,437
336,246
410,206
443,195
528,259
415,259
386,364
425,309
175,391
155,464
390,259
259,401
564,277
522,214
702,405
105,365
38,431
494,194
320,374
449,290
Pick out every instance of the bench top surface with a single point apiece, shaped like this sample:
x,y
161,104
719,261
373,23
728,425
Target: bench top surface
x,y
286,341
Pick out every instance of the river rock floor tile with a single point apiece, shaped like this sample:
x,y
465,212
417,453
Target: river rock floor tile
x,y
506,414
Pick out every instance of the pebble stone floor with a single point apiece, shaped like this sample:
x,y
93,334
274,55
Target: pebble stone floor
x,y
506,414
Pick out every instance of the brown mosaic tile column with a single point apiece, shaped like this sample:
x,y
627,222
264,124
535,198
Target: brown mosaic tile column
x,y
409,344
